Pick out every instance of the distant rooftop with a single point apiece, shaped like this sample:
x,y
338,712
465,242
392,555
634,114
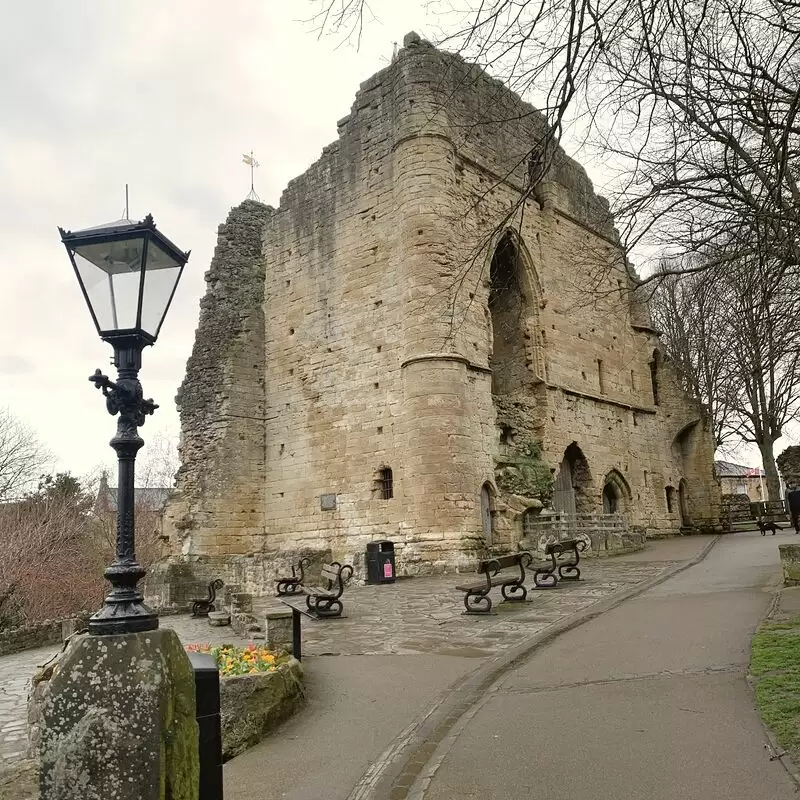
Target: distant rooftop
x,y
153,498
725,469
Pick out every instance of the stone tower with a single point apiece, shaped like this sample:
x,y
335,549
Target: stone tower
x,y
403,350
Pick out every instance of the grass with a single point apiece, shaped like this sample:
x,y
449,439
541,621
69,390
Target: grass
x,y
775,667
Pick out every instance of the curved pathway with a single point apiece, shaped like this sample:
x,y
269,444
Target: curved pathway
x,y
378,710
647,701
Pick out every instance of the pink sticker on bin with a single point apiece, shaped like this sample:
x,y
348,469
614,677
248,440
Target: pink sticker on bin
x,y
387,570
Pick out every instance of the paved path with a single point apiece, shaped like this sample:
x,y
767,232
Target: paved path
x,y
651,698
419,616
401,655
403,652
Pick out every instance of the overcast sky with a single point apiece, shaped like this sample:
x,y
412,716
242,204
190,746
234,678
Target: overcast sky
x,y
165,96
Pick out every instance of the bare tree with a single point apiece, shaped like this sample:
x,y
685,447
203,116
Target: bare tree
x,y
46,536
696,104
155,477
22,456
690,312
732,332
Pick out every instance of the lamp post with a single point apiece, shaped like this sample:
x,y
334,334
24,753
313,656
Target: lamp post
x,y
128,272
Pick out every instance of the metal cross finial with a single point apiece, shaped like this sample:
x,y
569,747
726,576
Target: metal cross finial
x,y
252,163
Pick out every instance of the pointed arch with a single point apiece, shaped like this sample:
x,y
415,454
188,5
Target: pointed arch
x,y
517,357
487,512
616,493
532,285
572,492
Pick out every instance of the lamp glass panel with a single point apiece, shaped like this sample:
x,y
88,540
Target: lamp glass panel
x,y
161,275
113,291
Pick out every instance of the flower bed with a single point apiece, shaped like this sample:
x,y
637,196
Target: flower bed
x,y
233,660
258,690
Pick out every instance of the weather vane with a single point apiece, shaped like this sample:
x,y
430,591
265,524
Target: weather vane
x,y
252,163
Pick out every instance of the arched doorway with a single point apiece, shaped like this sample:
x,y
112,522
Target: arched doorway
x,y
684,455
487,494
516,359
572,489
610,500
616,493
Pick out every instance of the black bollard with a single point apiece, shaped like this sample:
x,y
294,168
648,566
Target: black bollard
x,y
206,687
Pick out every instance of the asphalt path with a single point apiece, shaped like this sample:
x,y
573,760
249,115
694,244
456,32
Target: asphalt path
x,y
649,700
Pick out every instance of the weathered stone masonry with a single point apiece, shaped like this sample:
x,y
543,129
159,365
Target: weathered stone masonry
x,y
397,311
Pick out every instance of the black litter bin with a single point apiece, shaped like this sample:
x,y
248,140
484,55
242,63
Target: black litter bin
x,y
380,562
206,689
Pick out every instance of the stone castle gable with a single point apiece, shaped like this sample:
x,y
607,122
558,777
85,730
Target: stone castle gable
x,y
403,350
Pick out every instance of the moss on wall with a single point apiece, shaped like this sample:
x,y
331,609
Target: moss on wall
x,y
523,471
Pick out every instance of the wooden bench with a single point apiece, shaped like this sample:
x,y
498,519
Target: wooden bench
x,y
201,608
548,573
476,597
738,516
291,586
323,601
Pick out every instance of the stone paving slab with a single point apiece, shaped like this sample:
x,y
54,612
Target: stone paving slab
x,y
425,615
412,616
15,674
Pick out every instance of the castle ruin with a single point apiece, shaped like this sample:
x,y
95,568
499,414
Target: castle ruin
x,y
402,350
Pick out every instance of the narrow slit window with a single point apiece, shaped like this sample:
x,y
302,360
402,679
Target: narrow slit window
x,y
654,377
600,376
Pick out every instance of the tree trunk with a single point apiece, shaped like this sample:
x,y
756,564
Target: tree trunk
x,y
770,469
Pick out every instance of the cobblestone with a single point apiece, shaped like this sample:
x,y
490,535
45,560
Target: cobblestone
x,y
412,616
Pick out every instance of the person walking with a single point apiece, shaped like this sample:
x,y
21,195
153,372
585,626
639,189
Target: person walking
x,y
793,501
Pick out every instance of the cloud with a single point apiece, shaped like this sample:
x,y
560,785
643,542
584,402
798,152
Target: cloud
x,y
15,365
165,97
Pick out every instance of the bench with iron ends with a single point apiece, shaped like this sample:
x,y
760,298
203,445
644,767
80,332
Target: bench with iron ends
x,y
734,517
568,570
323,601
476,595
546,573
294,585
201,608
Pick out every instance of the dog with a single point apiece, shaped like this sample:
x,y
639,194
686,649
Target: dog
x,y
765,525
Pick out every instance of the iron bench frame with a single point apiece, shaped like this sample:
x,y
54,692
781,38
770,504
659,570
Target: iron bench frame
x,y
569,570
549,573
324,601
286,587
512,585
202,608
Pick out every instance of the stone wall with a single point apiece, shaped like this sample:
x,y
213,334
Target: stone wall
x,y
609,534
218,503
253,706
384,347
40,634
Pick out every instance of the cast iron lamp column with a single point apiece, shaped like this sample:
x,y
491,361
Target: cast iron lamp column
x,y
128,272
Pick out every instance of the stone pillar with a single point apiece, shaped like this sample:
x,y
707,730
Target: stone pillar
x,y
117,720
790,561
278,629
